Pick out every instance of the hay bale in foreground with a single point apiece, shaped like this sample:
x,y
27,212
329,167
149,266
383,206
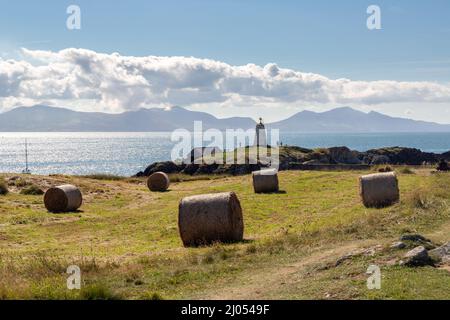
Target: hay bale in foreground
x,y
158,182
265,181
63,198
379,189
209,218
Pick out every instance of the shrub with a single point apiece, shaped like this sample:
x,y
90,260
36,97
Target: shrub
x,y
3,187
407,170
98,292
32,190
385,169
20,183
152,296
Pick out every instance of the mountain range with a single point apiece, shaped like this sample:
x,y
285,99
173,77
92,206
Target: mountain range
x,y
54,119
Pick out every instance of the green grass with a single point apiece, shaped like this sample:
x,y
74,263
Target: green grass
x,y
126,241
102,176
179,177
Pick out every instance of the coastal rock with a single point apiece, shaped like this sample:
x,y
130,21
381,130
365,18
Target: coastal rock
x,y
290,157
190,169
344,155
407,156
207,169
377,160
446,156
166,167
417,257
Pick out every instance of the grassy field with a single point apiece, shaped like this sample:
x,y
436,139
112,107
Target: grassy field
x,y
126,241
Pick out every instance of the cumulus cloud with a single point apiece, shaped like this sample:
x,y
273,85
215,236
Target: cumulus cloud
x,y
119,83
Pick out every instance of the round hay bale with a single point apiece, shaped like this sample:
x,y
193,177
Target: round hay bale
x,y
158,182
265,181
209,218
379,189
63,198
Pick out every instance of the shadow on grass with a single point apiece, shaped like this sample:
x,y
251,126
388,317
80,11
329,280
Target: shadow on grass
x,y
273,192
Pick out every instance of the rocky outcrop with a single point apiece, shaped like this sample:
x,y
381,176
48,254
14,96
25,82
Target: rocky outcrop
x,y
441,254
399,156
344,155
166,167
423,252
446,156
292,157
417,257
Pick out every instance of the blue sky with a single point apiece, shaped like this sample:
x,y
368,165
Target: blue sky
x,y
325,37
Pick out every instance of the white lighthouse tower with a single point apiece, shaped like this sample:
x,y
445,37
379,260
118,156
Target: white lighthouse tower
x,y
260,137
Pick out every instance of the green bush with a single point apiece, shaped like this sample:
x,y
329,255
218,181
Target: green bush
x,y
21,183
32,190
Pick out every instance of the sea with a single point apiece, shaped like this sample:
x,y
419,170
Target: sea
x,y
125,154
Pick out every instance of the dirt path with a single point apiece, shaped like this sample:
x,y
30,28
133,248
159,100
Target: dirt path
x,y
265,282
260,283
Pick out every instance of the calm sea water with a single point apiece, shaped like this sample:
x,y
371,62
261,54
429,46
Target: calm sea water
x,y
127,153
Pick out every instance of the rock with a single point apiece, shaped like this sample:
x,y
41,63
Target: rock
x,y
190,169
377,159
441,254
140,174
446,156
398,245
207,169
344,155
443,166
296,155
166,167
417,257
408,156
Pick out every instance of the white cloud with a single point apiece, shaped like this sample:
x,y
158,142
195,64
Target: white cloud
x,y
111,82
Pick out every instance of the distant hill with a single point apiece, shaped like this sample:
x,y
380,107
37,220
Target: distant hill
x,y
50,119
350,120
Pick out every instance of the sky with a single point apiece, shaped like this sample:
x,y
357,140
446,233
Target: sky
x,y
230,58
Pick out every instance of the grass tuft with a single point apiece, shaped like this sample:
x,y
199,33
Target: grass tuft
x,y
98,291
407,170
